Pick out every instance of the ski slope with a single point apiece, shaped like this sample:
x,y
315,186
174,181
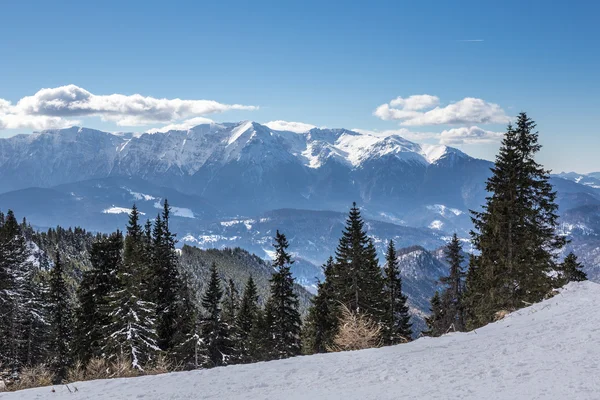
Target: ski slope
x,y
550,350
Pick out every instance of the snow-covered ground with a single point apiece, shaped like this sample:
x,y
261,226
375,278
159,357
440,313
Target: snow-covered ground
x,y
547,351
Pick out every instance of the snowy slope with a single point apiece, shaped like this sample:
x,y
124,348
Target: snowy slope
x,y
548,351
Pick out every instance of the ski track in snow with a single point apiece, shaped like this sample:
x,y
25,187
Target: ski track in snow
x,y
550,350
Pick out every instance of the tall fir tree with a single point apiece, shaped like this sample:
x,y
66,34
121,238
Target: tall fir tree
x,y
23,313
322,322
454,286
217,345
187,339
571,270
61,321
166,279
245,321
357,280
93,313
435,320
132,331
396,325
514,236
283,317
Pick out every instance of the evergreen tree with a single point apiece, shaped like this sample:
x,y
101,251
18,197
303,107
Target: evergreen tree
x,y
454,282
396,321
571,270
357,280
61,321
22,310
436,317
215,333
246,321
283,317
231,302
132,329
514,235
259,342
93,312
166,279
187,339
323,316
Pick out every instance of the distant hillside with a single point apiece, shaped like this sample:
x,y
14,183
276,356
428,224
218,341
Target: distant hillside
x,y
236,264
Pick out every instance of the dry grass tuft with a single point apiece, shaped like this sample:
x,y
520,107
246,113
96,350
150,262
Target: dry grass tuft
x,y
356,332
31,377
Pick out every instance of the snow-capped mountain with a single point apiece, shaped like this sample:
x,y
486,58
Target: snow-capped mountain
x,y
247,167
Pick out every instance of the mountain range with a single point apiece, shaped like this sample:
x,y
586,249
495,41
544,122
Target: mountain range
x,y
235,184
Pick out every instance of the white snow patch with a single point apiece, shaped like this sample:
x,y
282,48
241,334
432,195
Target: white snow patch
x,y
437,224
444,211
140,196
119,210
247,222
177,211
189,238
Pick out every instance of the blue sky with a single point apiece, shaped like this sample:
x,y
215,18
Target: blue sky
x,y
321,63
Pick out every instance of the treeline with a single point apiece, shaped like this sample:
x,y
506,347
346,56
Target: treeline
x,y
515,260
134,303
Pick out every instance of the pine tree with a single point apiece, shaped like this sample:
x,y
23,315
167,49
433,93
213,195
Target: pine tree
x,y
283,317
571,270
215,333
187,339
22,310
357,281
514,235
93,312
396,321
246,320
231,302
454,282
323,317
60,321
259,341
435,319
132,329
166,279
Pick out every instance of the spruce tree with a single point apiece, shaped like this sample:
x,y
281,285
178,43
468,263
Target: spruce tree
x,y
215,333
132,330
93,312
60,321
166,279
259,341
514,236
435,319
246,320
323,317
282,315
454,286
396,321
188,341
22,310
357,281
571,270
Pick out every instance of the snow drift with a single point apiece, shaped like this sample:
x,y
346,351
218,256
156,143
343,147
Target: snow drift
x,y
550,350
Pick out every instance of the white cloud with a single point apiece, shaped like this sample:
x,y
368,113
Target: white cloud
x,y
298,127
48,107
419,111
183,126
469,135
416,102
